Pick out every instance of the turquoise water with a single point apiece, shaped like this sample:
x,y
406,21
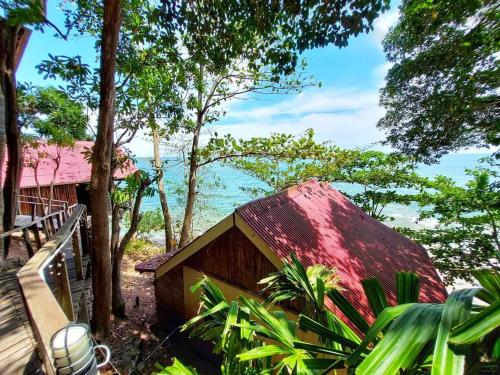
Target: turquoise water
x,y
221,192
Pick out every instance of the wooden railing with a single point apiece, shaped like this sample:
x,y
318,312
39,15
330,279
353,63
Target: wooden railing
x,y
49,224
34,206
48,312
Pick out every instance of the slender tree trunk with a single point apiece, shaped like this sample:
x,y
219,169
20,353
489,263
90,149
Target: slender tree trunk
x,y
3,143
191,194
169,237
101,168
8,44
39,192
118,308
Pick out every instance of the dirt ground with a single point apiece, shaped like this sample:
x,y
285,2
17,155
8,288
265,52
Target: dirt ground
x,y
135,338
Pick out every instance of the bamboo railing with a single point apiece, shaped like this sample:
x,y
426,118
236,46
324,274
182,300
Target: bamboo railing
x,y
48,312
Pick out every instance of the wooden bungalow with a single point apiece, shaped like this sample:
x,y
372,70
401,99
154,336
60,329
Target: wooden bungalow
x,y
71,181
311,220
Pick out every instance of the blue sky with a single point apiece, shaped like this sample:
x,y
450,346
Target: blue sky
x,y
344,110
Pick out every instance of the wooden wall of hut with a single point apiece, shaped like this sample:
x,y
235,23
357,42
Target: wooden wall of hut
x,y
65,193
231,257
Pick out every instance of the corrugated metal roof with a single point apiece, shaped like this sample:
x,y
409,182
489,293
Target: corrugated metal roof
x,y
73,166
152,264
322,226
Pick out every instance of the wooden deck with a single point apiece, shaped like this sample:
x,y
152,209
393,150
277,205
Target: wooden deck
x,y
18,346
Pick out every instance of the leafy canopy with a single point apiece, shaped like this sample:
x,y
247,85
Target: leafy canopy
x,y
466,235
442,92
52,114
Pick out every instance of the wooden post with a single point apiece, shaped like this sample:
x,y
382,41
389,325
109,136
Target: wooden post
x,y
63,287
36,234
84,235
46,230
58,220
26,237
77,254
52,224
83,312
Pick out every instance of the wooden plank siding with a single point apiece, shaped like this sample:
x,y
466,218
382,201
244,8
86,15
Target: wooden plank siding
x,y
231,257
65,193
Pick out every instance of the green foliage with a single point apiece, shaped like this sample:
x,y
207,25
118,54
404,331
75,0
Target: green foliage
x,y
280,160
151,221
442,89
51,114
177,368
410,338
383,179
140,248
22,12
294,281
283,160
466,234
218,322
124,194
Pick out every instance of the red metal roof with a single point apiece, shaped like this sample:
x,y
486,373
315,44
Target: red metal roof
x,y
74,168
322,226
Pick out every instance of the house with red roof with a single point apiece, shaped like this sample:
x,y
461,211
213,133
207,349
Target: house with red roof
x,y
66,167
313,221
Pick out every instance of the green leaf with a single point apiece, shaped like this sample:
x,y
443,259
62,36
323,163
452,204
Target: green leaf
x,y
408,287
177,368
349,310
404,341
489,280
220,306
477,326
232,317
324,332
264,351
456,310
375,295
319,349
384,319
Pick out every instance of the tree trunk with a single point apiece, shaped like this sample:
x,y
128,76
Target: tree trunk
x,y
169,237
191,194
8,44
101,168
2,160
118,303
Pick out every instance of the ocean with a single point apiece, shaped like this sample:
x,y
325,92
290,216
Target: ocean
x,y
221,190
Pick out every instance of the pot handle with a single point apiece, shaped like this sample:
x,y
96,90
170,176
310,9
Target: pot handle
x,y
107,357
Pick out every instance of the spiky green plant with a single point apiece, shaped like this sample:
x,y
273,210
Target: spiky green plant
x,y
453,338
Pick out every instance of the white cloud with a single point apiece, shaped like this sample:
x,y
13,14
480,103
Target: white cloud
x,y
383,23
347,117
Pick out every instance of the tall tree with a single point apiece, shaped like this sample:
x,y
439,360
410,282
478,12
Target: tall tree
x,y
249,47
442,91
158,166
101,168
13,37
